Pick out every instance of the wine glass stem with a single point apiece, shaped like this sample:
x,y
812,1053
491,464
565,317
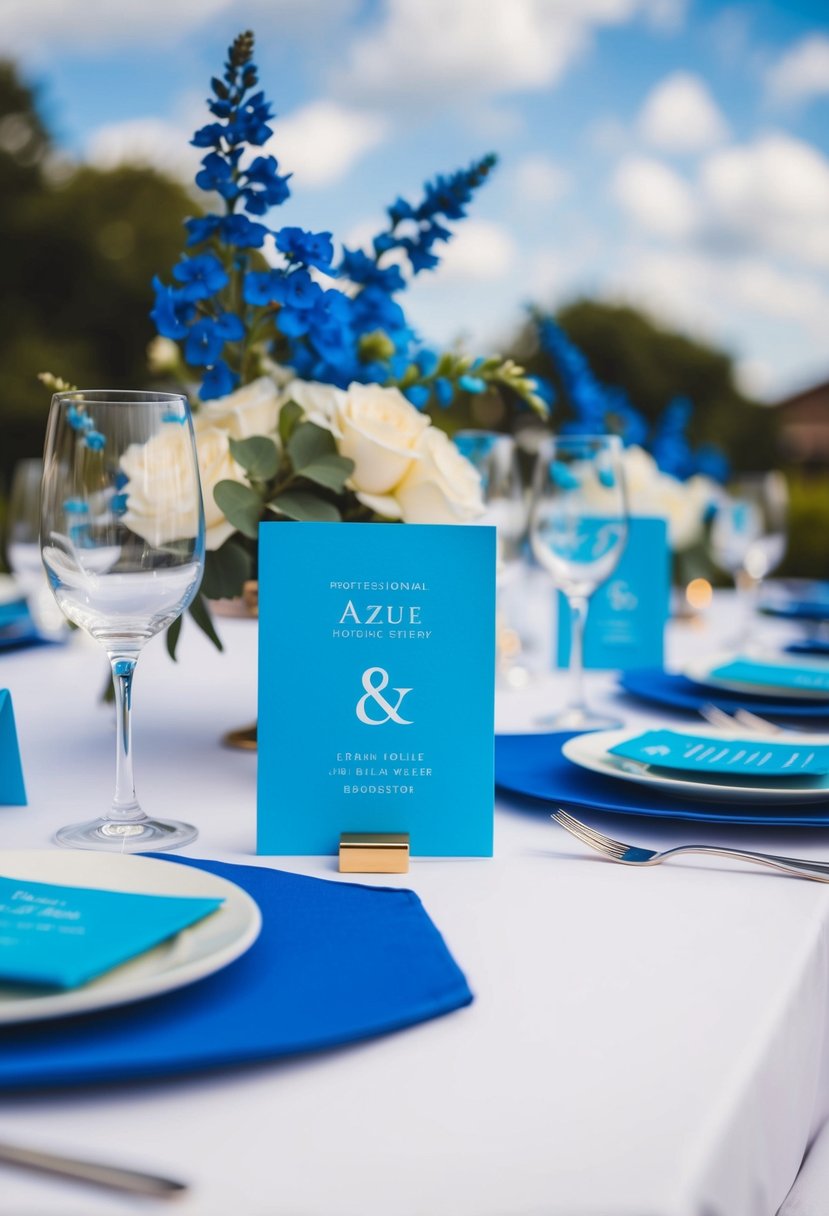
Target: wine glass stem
x,y
578,616
124,804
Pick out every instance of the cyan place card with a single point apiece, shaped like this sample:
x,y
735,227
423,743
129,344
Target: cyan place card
x,y
785,677
627,614
745,757
12,788
376,686
64,936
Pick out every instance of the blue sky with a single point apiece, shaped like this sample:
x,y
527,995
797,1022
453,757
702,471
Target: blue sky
x,y
671,153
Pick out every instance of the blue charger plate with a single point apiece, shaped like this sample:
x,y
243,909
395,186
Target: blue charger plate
x,y
674,691
533,765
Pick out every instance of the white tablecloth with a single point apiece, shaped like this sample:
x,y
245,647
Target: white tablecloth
x,y
642,1043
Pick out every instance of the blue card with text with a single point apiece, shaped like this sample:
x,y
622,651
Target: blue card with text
x,y
703,754
12,788
64,936
785,677
376,686
627,614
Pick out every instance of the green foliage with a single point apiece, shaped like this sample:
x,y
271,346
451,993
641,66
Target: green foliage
x,y
304,507
258,456
807,554
241,505
226,570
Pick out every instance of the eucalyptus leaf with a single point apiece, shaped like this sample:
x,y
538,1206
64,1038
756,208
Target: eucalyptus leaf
x,y
257,455
172,637
225,571
307,443
240,505
289,416
306,508
329,471
201,615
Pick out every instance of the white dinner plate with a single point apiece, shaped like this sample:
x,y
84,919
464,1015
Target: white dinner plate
x,y
190,955
592,751
700,671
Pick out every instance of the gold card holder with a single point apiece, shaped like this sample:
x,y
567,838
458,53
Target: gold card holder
x,y
374,853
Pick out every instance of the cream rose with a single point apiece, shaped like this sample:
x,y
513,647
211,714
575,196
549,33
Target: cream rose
x,y
159,490
442,487
379,430
252,410
318,402
682,504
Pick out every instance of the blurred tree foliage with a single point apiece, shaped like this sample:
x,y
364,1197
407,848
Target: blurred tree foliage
x,y
80,247
625,348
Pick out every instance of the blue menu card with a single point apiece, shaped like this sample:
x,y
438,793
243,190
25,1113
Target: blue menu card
x,y
63,936
627,615
376,686
12,788
703,754
808,678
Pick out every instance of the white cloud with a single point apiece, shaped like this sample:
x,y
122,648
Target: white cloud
x,y
654,197
772,194
802,72
454,50
539,180
320,142
147,142
479,252
680,115
48,27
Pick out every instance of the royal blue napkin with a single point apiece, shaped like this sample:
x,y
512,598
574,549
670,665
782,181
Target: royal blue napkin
x,y
703,754
787,678
674,691
335,962
65,936
819,647
17,629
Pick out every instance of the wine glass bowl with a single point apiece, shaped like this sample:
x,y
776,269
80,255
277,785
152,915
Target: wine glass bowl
x,y
578,531
122,541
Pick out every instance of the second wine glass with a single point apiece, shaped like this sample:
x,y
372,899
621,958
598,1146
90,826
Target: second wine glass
x,y
578,530
122,540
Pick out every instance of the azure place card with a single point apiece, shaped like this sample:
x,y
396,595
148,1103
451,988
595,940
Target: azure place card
x,y
12,789
376,685
746,757
64,936
627,615
812,677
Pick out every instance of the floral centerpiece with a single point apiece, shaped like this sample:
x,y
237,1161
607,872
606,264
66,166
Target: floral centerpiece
x,y
313,389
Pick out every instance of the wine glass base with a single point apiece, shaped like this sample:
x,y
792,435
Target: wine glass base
x,y
125,836
576,719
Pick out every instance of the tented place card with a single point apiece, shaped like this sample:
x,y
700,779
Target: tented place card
x,y
376,686
627,616
12,788
64,936
703,754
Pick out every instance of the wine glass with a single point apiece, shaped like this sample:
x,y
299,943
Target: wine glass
x,y
122,540
495,457
23,546
748,537
578,530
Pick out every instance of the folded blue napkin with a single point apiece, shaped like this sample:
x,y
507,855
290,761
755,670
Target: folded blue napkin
x,y
335,962
17,629
786,677
533,765
746,757
673,691
65,936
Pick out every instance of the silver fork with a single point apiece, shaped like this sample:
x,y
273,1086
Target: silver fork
x,y
741,717
632,855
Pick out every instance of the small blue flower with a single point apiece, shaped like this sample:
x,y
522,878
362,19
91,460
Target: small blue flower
x,y
238,230
301,291
95,441
209,136
218,382
444,392
118,504
202,275
76,418
471,384
418,394
204,343
562,476
217,174
76,506
230,327
360,268
170,416
202,228
426,361
262,287
264,186
311,248
400,210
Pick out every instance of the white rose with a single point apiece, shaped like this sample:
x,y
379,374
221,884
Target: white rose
x,y
651,492
442,487
252,410
318,402
379,430
161,506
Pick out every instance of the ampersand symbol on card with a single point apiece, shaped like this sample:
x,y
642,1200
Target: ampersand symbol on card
x,y
374,692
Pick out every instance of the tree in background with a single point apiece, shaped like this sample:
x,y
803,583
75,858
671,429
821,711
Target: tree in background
x,y
652,365
79,250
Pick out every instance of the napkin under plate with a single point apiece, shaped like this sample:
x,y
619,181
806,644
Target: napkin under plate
x,y
674,691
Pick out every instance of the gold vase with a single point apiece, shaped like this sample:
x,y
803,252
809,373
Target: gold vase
x,y
242,738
